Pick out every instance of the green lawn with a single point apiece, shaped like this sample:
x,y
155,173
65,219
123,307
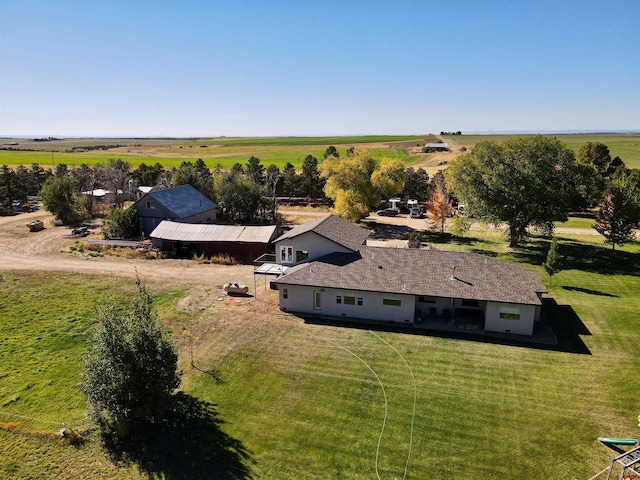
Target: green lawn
x,y
624,145
576,222
301,405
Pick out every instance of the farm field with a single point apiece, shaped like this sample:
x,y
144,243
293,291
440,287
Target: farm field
x,y
624,145
225,152
300,400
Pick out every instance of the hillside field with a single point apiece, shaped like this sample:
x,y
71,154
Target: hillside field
x,y
298,400
226,152
277,150
624,145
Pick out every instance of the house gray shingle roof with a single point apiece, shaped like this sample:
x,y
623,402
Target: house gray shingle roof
x,y
420,272
190,232
183,201
334,228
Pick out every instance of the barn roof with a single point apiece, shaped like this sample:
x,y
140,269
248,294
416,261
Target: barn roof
x,y
420,272
183,201
334,228
189,232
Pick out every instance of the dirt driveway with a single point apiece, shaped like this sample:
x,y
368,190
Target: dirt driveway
x,y
48,250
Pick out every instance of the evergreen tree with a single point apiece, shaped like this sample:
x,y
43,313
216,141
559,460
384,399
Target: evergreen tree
x,y
554,262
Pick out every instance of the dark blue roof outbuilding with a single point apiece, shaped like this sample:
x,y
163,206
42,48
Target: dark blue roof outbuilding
x,y
183,201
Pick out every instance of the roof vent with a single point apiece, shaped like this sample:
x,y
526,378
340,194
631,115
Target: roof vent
x,y
453,273
380,267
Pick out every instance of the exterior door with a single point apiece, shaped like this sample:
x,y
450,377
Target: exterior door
x,y
317,300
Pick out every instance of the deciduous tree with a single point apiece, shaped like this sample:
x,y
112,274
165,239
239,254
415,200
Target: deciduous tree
x,y
439,206
416,184
595,154
239,196
349,184
130,372
197,175
523,181
122,223
619,213
388,177
59,196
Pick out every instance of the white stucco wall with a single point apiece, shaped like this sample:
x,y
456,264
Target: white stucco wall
x,y
300,299
311,242
524,326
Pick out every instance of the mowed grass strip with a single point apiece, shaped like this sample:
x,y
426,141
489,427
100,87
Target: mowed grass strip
x,y
306,408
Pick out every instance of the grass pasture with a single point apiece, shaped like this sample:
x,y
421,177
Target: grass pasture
x,y
624,145
301,401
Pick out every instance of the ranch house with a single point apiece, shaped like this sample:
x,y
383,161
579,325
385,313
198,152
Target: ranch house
x,y
333,273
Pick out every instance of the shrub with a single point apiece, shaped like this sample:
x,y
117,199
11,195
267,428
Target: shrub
x,y
121,223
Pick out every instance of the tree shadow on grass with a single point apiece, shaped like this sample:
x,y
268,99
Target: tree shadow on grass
x,y
581,256
589,291
189,445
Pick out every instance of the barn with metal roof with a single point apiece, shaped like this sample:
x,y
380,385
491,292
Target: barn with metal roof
x,y
243,242
180,204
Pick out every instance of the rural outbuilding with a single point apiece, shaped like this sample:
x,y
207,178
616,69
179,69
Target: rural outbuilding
x,y
438,147
180,204
240,241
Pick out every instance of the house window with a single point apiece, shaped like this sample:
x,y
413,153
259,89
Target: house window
x,y
150,204
510,313
470,303
285,293
349,300
338,298
301,255
286,254
317,300
360,300
427,299
393,302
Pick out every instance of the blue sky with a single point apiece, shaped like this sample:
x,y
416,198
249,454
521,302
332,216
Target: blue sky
x,y
209,68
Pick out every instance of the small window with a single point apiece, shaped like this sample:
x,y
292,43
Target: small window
x,y
301,255
510,313
427,299
150,204
349,300
285,293
338,298
359,300
470,303
393,302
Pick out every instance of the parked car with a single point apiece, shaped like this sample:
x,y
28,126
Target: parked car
x,y
416,212
387,212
